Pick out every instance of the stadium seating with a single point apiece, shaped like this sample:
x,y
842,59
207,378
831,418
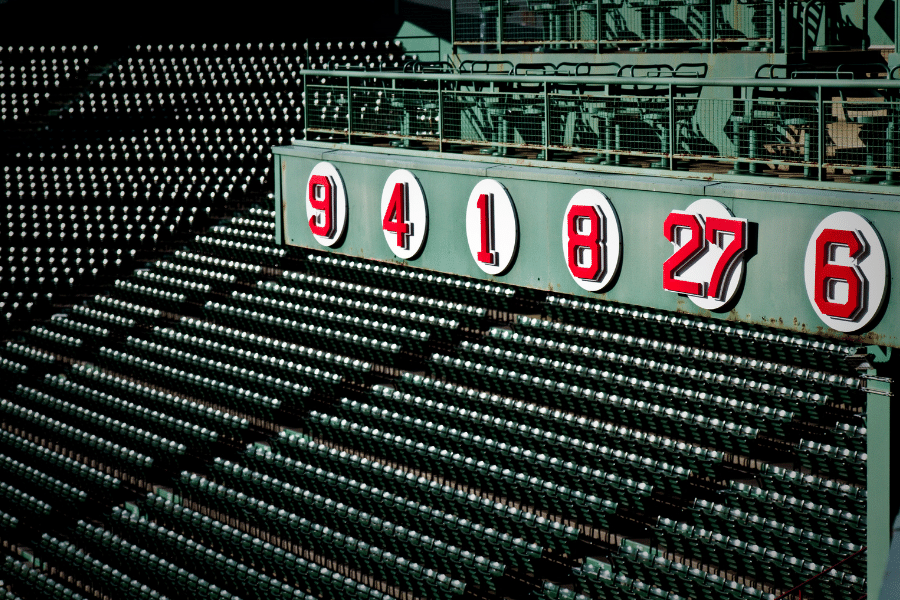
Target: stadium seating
x,y
188,408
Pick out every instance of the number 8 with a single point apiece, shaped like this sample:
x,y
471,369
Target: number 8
x,y
591,240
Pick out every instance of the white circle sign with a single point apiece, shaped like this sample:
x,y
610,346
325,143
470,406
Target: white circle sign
x,y
404,214
492,227
326,204
591,240
707,263
845,271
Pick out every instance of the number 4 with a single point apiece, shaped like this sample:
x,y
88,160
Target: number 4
x,y
395,218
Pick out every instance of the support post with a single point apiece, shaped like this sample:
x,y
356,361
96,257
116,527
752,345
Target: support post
x,y
671,127
878,465
546,132
452,26
712,25
440,115
305,96
499,26
820,134
349,113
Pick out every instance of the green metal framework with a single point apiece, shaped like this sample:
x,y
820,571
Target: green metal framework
x,y
828,129
650,25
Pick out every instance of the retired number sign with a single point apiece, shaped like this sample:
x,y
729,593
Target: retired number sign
x,y
707,263
326,204
845,269
404,214
492,227
591,240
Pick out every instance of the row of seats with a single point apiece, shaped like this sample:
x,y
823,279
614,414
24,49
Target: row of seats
x,y
373,518
508,444
192,290
332,340
60,466
35,581
63,324
385,565
110,453
267,256
564,337
193,436
219,393
412,281
760,563
213,280
493,539
447,400
247,549
238,270
244,579
805,514
164,574
516,485
512,524
760,343
27,354
101,575
771,533
267,375
54,340
218,334
666,574
157,446
406,337
224,423
101,320
650,380
437,325
833,461
47,486
468,316
131,311
662,420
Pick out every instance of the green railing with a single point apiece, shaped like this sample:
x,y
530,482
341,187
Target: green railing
x,y
817,129
607,25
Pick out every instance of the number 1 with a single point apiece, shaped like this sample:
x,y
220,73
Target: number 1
x,y
486,207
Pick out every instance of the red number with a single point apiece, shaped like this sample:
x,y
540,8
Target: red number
x,y
321,224
395,216
736,227
585,243
684,255
486,206
827,273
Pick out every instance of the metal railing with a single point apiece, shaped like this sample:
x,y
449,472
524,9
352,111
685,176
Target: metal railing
x,y
607,25
817,129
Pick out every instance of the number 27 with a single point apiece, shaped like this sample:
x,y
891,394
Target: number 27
x,y
694,248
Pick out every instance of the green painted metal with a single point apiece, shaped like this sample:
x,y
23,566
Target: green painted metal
x,y
878,430
727,24
773,293
833,130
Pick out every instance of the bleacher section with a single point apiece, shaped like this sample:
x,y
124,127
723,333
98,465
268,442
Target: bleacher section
x,y
235,429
